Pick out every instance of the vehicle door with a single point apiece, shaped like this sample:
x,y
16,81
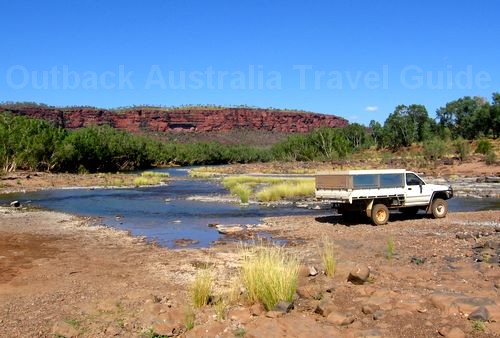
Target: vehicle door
x,y
415,191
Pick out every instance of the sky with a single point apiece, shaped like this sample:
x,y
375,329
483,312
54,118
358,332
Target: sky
x,y
355,59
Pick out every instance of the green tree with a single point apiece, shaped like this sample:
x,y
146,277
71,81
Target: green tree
x,y
356,135
467,117
377,133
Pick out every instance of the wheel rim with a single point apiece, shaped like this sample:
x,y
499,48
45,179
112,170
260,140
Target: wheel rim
x,y
381,215
440,209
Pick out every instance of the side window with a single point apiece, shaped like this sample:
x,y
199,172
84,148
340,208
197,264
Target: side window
x,y
412,179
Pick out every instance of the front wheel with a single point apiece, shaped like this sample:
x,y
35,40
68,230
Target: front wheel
x,y
380,214
439,208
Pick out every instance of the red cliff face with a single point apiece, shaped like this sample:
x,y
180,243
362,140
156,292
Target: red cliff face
x,y
163,120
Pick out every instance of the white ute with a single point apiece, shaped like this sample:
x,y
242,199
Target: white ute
x,y
374,192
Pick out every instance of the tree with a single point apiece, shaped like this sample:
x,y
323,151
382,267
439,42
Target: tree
x,y
356,134
377,133
495,115
467,117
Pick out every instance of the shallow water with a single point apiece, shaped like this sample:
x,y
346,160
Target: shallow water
x,y
163,213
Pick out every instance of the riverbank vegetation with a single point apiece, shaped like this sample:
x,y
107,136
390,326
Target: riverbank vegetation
x,y
268,189
38,145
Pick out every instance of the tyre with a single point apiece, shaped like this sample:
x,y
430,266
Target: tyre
x,y
380,214
439,208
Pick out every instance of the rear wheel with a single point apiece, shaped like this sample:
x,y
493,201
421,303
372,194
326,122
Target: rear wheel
x,y
439,208
380,214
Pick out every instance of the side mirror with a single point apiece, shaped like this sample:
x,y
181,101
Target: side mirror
x,y
420,185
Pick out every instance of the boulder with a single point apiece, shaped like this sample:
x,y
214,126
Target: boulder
x,y
481,313
359,275
325,307
340,319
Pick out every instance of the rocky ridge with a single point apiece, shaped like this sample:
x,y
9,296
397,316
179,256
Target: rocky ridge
x,y
189,119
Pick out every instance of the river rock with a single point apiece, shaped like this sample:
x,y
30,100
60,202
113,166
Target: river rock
x,y
325,307
283,306
185,241
229,229
359,275
340,319
481,313
15,204
312,271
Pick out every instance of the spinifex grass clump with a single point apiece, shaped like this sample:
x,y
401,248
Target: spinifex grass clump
x,y
139,181
201,288
154,174
243,191
288,189
269,274
328,257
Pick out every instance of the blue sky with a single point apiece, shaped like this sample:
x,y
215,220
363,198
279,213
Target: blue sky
x,y
355,59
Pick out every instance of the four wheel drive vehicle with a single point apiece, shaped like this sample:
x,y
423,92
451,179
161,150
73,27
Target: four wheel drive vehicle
x,y
374,192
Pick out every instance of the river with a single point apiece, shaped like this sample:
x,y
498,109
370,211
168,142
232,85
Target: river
x,y
164,214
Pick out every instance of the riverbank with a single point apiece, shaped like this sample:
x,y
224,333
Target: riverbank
x,y
65,275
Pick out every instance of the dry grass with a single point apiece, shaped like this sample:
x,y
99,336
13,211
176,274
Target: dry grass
x,y
328,257
276,188
201,287
141,181
289,189
154,174
269,274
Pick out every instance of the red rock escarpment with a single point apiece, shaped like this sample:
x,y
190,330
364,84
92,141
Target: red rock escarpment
x,y
180,119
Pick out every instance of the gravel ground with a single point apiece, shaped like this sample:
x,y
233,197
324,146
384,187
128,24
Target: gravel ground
x,y
68,276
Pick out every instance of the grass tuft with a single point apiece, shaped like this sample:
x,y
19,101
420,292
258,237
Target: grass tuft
x,y
328,257
390,248
141,181
154,174
289,189
189,318
201,288
478,325
220,308
269,274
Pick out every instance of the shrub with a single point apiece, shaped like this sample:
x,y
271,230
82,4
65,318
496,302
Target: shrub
x,y
328,257
484,146
269,275
463,148
201,287
491,158
434,149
